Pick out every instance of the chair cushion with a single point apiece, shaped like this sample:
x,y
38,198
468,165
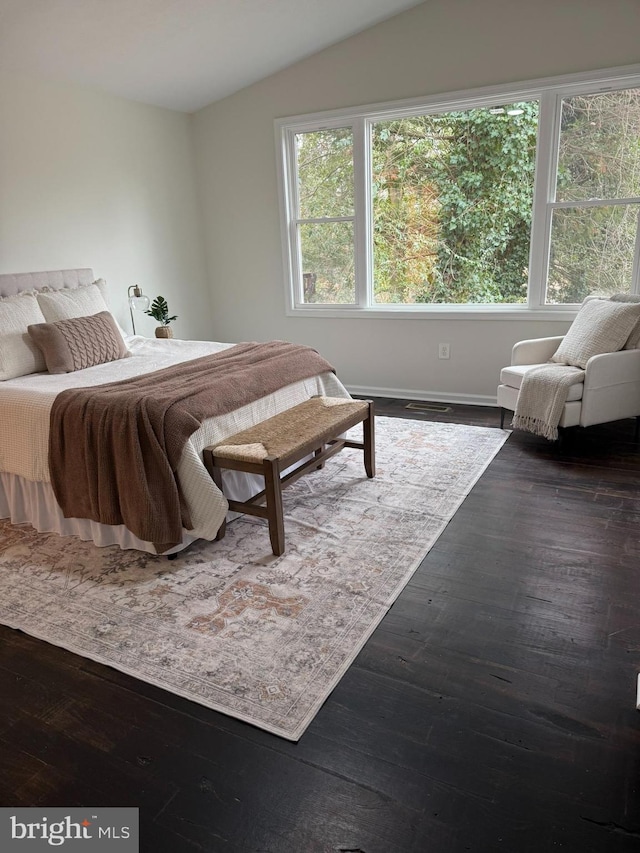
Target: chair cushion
x,y
512,376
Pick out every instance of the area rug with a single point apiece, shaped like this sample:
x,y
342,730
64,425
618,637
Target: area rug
x,y
261,638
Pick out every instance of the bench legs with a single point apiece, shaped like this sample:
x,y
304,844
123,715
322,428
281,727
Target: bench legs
x,y
274,481
216,476
273,502
273,495
369,443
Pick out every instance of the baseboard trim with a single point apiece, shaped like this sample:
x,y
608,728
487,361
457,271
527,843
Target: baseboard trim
x,y
429,396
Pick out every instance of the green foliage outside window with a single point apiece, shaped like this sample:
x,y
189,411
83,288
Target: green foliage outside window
x,y
325,189
452,198
592,248
453,194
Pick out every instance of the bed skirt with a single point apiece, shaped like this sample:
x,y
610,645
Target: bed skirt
x,y
33,502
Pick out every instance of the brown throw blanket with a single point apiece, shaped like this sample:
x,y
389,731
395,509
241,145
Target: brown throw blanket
x,y
114,449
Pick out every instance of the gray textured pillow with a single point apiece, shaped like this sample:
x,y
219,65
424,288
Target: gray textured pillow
x,y
600,326
70,345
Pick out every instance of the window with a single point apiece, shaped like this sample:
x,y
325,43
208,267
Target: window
x,y
324,226
452,198
514,198
595,214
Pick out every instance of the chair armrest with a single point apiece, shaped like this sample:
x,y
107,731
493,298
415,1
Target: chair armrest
x,y
612,368
534,351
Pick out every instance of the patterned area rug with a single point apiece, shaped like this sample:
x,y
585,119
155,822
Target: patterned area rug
x,y
229,625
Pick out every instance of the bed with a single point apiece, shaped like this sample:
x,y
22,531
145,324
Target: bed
x,y
26,493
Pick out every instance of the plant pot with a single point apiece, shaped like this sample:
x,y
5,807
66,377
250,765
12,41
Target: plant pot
x,y
164,332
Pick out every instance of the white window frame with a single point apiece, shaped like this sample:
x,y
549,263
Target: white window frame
x,y
548,91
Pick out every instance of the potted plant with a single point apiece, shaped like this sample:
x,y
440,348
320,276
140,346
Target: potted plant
x,y
160,311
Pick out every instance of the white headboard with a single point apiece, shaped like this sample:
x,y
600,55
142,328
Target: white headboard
x,y
10,284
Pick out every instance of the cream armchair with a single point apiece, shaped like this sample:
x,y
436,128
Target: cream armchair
x,y
610,390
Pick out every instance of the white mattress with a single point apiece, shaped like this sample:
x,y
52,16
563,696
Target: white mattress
x,y
25,406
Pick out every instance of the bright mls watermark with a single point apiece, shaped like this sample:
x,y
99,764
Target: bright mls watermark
x,y
37,829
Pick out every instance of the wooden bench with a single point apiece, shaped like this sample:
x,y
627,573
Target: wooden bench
x,y
270,447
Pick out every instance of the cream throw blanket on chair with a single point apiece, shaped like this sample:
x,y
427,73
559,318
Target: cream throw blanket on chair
x,y
542,396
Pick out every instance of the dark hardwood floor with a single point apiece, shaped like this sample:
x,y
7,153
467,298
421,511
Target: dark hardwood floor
x,y
492,710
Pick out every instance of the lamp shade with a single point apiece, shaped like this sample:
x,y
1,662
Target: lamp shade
x,y
137,302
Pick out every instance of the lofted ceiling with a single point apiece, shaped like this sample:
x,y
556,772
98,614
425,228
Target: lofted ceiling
x,y
180,54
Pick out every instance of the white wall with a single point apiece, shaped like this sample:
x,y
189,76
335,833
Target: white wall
x,y
439,46
92,180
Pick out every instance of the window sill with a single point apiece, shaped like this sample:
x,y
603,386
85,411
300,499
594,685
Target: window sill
x,y
563,314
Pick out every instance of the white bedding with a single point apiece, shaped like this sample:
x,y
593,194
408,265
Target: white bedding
x,y
25,406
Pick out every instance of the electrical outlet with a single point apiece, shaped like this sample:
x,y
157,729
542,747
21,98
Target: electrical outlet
x,y
443,351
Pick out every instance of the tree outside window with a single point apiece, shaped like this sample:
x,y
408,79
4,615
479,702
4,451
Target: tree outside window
x,y
452,201
594,233
456,206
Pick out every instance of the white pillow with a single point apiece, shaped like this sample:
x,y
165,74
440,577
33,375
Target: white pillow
x,y
600,326
83,301
67,304
633,341
19,356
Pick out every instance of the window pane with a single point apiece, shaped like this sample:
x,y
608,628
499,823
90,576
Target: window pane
x,y
327,262
452,201
325,173
599,152
591,252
